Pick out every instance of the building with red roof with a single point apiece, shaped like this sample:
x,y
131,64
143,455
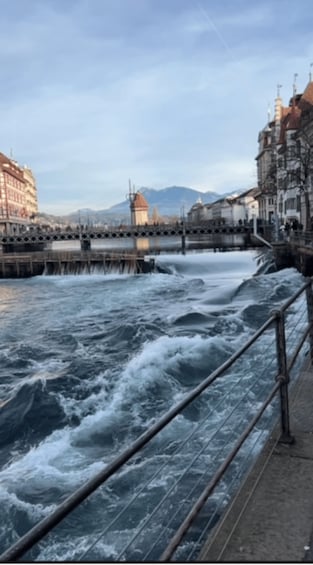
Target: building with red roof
x,y
18,195
285,161
138,209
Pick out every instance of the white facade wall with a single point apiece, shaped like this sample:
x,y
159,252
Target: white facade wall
x,y
239,209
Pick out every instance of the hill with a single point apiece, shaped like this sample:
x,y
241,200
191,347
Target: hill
x,y
169,201
172,200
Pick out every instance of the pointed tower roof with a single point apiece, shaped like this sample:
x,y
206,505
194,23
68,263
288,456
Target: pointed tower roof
x,y
293,121
306,102
139,201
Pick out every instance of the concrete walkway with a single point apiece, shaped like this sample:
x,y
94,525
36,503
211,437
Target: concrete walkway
x,y
271,518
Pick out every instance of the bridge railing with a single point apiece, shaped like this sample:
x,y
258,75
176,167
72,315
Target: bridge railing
x,y
300,238
188,464
177,229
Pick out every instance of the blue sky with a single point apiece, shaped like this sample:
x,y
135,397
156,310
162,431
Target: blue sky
x,y
165,92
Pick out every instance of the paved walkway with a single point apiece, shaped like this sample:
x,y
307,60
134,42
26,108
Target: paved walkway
x,y
271,518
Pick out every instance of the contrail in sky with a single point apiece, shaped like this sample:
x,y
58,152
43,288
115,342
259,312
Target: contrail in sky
x,y
213,26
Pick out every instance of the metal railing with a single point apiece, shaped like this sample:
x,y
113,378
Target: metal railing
x,y
177,229
301,238
262,372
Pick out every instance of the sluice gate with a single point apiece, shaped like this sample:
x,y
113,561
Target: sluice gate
x,y
72,263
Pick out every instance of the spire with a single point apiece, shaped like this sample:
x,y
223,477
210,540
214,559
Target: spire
x,y
294,84
268,112
310,73
278,105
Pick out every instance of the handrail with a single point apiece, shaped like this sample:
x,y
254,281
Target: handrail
x,y
36,533
169,551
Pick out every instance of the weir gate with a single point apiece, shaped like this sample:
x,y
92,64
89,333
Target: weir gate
x,y
227,433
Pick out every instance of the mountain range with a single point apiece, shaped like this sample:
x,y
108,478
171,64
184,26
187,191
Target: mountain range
x,y
169,201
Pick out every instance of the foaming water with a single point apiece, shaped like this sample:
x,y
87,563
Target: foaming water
x,y
88,362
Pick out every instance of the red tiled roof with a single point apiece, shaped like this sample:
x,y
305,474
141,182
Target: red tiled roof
x,y
10,167
139,201
293,121
4,158
306,101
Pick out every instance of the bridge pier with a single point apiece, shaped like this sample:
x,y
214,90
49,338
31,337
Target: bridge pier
x,y
85,244
183,244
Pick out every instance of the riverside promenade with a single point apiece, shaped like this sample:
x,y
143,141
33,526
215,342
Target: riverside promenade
x,y
271,517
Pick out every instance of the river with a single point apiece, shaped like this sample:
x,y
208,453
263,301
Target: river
x,y
88,362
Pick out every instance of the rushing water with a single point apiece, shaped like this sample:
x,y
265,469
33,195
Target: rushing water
x,y
89,361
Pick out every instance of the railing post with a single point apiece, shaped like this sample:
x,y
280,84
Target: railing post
x,y
309,301
183,239
283,376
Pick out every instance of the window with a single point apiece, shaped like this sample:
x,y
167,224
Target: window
x,y
298,203
298,148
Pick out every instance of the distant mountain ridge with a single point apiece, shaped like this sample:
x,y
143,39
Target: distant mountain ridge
x,y
169,201
172,200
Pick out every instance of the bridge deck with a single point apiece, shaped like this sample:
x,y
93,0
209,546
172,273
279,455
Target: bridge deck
x,y
176,230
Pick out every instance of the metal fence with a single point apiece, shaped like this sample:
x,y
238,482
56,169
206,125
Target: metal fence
x,y
186,467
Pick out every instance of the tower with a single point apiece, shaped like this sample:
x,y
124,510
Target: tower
x,y
138,208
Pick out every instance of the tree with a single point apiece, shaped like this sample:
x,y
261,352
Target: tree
x,y
156,218
301,173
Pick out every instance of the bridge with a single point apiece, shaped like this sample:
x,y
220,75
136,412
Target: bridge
x,y
220,235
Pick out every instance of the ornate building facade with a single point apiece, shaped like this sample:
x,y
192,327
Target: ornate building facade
x,y
18,195
232,210
285,161
31,192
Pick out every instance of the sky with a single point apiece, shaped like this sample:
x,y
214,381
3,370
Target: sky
x,y
162,92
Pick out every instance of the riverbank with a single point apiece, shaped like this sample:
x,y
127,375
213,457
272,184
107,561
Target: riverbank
x,y
271,517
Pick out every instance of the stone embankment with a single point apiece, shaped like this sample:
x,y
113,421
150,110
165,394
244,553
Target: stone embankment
x,y
297,252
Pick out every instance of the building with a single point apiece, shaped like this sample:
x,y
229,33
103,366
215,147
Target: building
x,y
285,161
138,209
304,142
247,206
266,173
18,195
232,210
197,213
13,211
31,193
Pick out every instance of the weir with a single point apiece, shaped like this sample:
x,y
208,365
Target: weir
x,y
68,263
182,528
